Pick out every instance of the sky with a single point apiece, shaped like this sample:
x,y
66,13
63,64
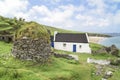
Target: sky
x,y
101,16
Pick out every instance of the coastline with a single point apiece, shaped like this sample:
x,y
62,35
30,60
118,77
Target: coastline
x,y
94,39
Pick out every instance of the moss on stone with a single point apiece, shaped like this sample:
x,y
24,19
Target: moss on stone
x,y
32,30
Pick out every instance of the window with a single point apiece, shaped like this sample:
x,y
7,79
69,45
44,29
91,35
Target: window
x,y
64,44
80,46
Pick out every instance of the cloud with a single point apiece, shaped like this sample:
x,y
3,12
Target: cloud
x,y
90,21
115,19
116,0
89,15
56,17
12,7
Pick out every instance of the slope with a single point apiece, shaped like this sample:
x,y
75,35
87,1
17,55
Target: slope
x,y
10,25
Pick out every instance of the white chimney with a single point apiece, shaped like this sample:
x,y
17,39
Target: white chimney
x,y
87,37
55,34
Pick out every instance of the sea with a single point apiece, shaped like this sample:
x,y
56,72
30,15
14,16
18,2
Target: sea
x,y
110,41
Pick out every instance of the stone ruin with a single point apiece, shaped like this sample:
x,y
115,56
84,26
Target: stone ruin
x,y
32,43
113,50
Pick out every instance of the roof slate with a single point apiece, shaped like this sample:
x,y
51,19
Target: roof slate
x,y
70,37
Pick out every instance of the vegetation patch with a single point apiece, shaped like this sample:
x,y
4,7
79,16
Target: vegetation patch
x,y
32,30
57,68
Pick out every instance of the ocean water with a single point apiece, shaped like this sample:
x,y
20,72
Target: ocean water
x,y
110,41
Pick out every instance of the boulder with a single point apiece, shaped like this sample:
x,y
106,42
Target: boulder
x,y
102,50
113,50
115,61
99,62
75,57
108,74
67,56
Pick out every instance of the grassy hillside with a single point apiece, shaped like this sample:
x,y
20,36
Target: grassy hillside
x,y
56,69
10,25
52,29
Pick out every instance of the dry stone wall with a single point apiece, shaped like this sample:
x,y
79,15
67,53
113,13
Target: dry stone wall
x,y
37,50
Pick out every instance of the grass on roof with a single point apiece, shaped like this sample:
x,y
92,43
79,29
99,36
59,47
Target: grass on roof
x,y
32,30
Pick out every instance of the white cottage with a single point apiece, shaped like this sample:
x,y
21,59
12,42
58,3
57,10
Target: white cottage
x,y
72,42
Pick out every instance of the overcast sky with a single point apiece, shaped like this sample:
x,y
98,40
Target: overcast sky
x,y
81,15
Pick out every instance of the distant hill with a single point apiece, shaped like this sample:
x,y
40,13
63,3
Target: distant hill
x,y
113,34
10,25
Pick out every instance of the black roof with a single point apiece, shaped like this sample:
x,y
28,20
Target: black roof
x,y
70,37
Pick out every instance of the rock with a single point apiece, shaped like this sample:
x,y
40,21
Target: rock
x,y
100,62
115,62
108,74
104,79
99,70
112,50
24,37
75,57
108,50
67,56
102,50
115,52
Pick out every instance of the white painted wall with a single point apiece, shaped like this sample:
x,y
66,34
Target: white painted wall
x,y
69,47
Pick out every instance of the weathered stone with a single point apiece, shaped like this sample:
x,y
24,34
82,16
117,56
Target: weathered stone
x,y
99,70
104,79
67,56
75,57
112,50
115,61
32,42
108,74
30,49
100,62
109,50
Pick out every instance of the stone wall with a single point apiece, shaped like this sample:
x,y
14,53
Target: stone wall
x,y
37,50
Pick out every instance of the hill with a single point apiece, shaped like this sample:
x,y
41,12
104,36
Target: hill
x,y
113,34
10,25
57,68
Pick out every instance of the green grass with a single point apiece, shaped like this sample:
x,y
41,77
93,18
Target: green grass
x,y
52,29
5,48
95,46
57,68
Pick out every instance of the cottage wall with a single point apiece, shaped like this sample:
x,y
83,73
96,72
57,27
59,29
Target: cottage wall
x,y
80,47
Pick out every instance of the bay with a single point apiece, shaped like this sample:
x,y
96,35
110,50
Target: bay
x,y
110,41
